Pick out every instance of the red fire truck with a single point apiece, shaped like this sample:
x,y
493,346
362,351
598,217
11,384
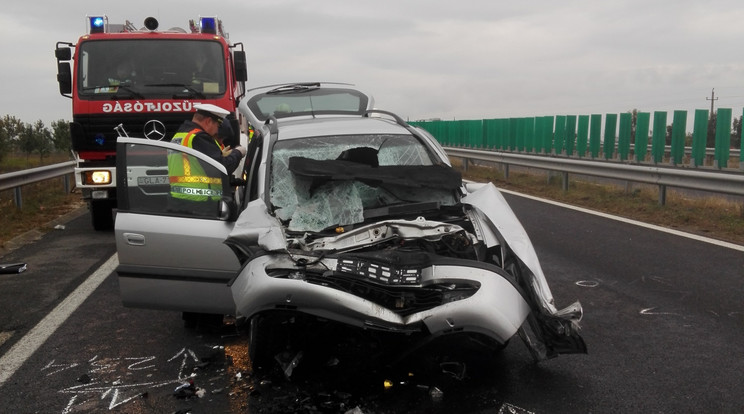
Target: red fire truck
x,y
142,82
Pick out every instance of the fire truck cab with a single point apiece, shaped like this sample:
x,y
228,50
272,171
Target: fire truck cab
x,y
141,82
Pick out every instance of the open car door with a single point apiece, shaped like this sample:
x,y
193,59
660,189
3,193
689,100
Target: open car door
x,y
171,250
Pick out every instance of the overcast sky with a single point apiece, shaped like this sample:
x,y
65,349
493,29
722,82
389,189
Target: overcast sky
x,y
455,59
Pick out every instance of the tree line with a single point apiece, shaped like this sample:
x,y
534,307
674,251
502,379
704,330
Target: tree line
x,y
17,136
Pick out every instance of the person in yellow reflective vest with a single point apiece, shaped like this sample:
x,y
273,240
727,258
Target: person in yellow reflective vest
x,y
251,132
188,180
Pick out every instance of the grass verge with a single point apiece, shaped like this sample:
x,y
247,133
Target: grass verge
x,y
43,202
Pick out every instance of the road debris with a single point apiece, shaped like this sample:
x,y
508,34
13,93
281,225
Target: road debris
x,y
185,390
288,363
8,268
435,393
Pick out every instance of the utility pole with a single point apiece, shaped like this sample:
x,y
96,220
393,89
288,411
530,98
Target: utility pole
x,y
712,99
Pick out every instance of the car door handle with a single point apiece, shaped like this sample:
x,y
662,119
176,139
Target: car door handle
x,y
134,239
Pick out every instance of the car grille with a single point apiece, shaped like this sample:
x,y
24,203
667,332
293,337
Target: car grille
x,y
401,300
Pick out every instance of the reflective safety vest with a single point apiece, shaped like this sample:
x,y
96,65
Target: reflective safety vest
x,y
188,181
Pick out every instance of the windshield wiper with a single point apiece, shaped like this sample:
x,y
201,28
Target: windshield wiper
x,y
296,87
189,88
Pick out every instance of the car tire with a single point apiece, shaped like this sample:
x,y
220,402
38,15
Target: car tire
x,y
260,343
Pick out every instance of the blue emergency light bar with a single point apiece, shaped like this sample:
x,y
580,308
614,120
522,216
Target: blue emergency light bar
x,y
208,25
97,24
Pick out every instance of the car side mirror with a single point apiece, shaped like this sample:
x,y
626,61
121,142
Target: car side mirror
x,y
228,209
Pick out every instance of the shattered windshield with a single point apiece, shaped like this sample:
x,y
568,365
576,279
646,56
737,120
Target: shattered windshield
x,y
326,182
139,69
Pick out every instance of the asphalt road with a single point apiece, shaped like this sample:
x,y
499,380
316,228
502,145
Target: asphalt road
x,y
663,319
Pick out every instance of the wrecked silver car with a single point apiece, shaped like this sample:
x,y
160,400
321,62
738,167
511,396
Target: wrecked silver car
x,y
344,213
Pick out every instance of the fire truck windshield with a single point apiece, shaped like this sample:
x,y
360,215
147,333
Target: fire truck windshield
x,y
150,69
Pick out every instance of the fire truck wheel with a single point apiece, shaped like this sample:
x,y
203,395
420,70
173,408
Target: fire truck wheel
x,y
101,214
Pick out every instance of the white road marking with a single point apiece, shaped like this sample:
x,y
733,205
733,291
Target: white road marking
x,y
634,222
26,346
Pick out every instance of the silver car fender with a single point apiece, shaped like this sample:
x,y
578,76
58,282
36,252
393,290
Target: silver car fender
x,y
256,227
489,201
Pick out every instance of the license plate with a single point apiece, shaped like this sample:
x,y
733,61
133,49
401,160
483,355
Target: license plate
x,y
154,180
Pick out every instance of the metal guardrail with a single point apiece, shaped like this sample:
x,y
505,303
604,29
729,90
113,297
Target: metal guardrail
x,y
17,179
718,182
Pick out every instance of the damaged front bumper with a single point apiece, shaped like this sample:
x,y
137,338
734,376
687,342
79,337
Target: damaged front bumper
x,y
494,306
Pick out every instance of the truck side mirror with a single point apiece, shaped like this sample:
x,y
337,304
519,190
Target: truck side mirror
x,y
64,77
241,68
63,53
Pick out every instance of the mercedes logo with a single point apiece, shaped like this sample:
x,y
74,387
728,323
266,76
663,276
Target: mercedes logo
x,y
154,130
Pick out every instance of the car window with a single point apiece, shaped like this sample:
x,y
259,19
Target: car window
x,y
171,182
315,201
